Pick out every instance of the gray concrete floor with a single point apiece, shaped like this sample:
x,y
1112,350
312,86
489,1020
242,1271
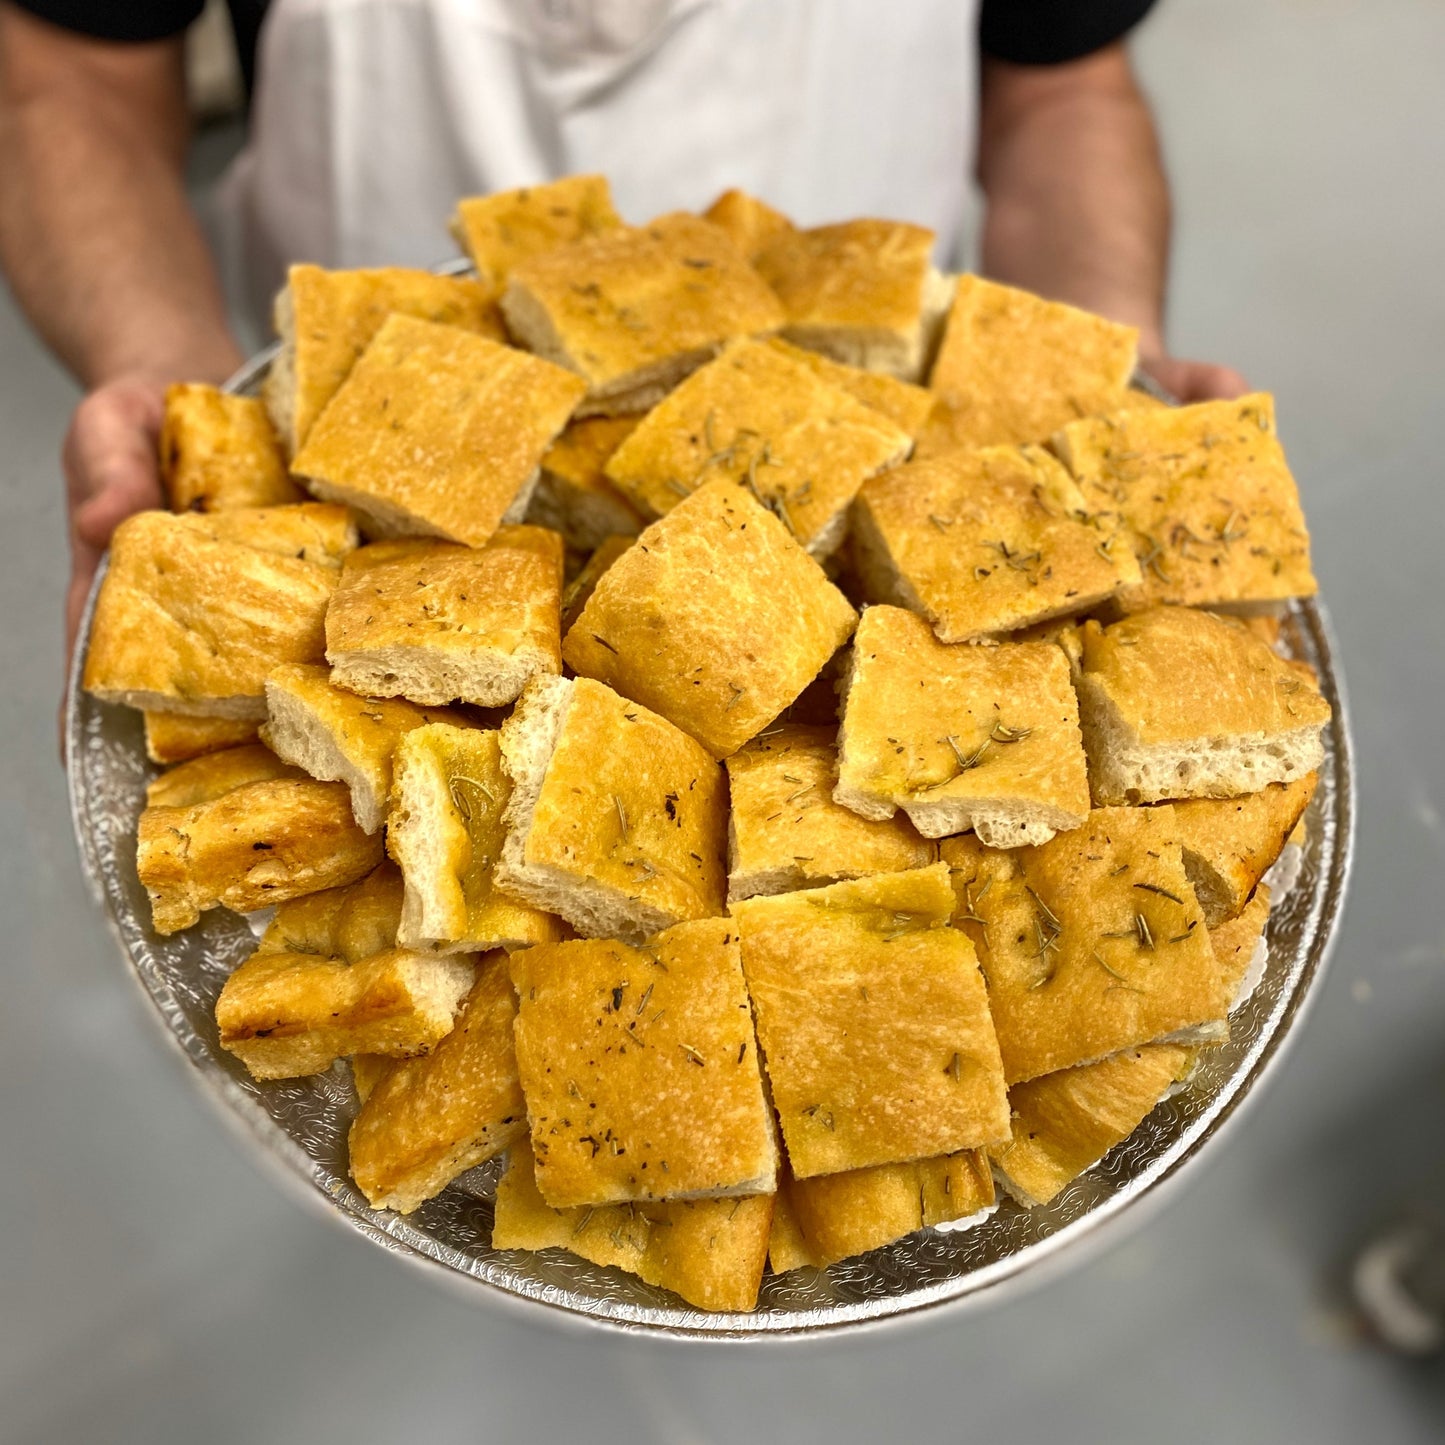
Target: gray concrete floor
x,y
154,1287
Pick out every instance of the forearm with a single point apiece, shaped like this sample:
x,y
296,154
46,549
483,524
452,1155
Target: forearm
x,y
1077,203
96,235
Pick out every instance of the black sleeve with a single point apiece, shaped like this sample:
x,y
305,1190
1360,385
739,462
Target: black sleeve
x,y
105,20
1048,32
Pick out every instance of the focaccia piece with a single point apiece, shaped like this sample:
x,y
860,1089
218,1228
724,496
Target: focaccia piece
x,y
984,542
1064,1123
286,1015
172,737
252,845
635,309
716,619
1014,368
351,922
958,736
1241,948
863,292
573,496
754,415
749,222
196,610
641,1070
437,432
1176,703
1231,843
507,227
873,1021
786,832
617,819
426,1120
326,319
584,584
1205,496
907,406
219,451
446,832
211,775
1091,944
339,737
710,1252
836,1216
434,622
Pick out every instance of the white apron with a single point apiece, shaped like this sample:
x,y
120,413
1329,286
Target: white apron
x,y
372,116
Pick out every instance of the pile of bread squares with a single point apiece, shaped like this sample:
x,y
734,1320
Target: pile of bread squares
x,y
776,740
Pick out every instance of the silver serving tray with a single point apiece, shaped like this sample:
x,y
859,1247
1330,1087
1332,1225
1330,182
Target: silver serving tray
x,y
300,1126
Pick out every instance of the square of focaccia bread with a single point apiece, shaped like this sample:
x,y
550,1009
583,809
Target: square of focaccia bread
x,y
863,292
202,779
172,737
1204,495
507,227
786,832
219,451
326,319
428,1119
1014,368
285,1015
573,496
437,432
339,737
873,1022
836,1216
245,841
1064,1123
1231,843
984,542
1090,944
641,1070
434,622
635,309
617,820
580,589
907,406
716,618
750,223
352,922
446,832
754,415
196,610
1241,948
1176,703
959,736
710,1252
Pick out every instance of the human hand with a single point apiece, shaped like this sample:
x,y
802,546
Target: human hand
x,y
1194,380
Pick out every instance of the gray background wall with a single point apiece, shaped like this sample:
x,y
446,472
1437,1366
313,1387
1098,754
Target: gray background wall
x,y
154,1287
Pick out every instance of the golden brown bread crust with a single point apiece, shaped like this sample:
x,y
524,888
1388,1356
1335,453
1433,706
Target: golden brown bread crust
x,y
286,1015
960,736
873,1022
430,1119
907,406
584,584
984,542
755,415
710,1252
1091,944
638,305
717,619
171,737
209,776
435,622
1234,943
1205,496
786,831
1014,368
749,222
436,431
640,1068
1064,1123
219,451
254,845
330,317
352,922
195,610
573,496
501,230
1231,843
